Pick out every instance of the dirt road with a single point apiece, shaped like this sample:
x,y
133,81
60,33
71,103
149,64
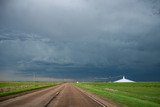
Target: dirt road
x,y
65,95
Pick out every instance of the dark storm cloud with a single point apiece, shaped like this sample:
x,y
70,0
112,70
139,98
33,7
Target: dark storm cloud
x,y
76,39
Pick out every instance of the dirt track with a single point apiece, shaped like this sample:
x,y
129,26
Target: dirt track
x,y
65,95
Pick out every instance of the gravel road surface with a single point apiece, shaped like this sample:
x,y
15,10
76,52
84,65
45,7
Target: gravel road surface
x,y
65,95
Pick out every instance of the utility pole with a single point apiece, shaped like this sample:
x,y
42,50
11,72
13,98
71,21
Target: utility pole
x,y
34,78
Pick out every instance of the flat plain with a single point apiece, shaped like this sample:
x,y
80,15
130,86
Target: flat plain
x,y
46,94
138,94
10,88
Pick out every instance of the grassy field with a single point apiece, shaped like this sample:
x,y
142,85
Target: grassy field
x,y
8,88
140,94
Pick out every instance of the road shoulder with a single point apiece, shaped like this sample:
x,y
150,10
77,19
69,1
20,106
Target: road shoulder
x,y
99,99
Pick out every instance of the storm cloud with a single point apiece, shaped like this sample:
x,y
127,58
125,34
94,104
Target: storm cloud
x,y
79,39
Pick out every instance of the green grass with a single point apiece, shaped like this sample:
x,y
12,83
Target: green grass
x,y
9,88
139,94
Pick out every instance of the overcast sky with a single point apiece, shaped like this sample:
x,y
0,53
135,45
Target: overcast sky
x,y
79,39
